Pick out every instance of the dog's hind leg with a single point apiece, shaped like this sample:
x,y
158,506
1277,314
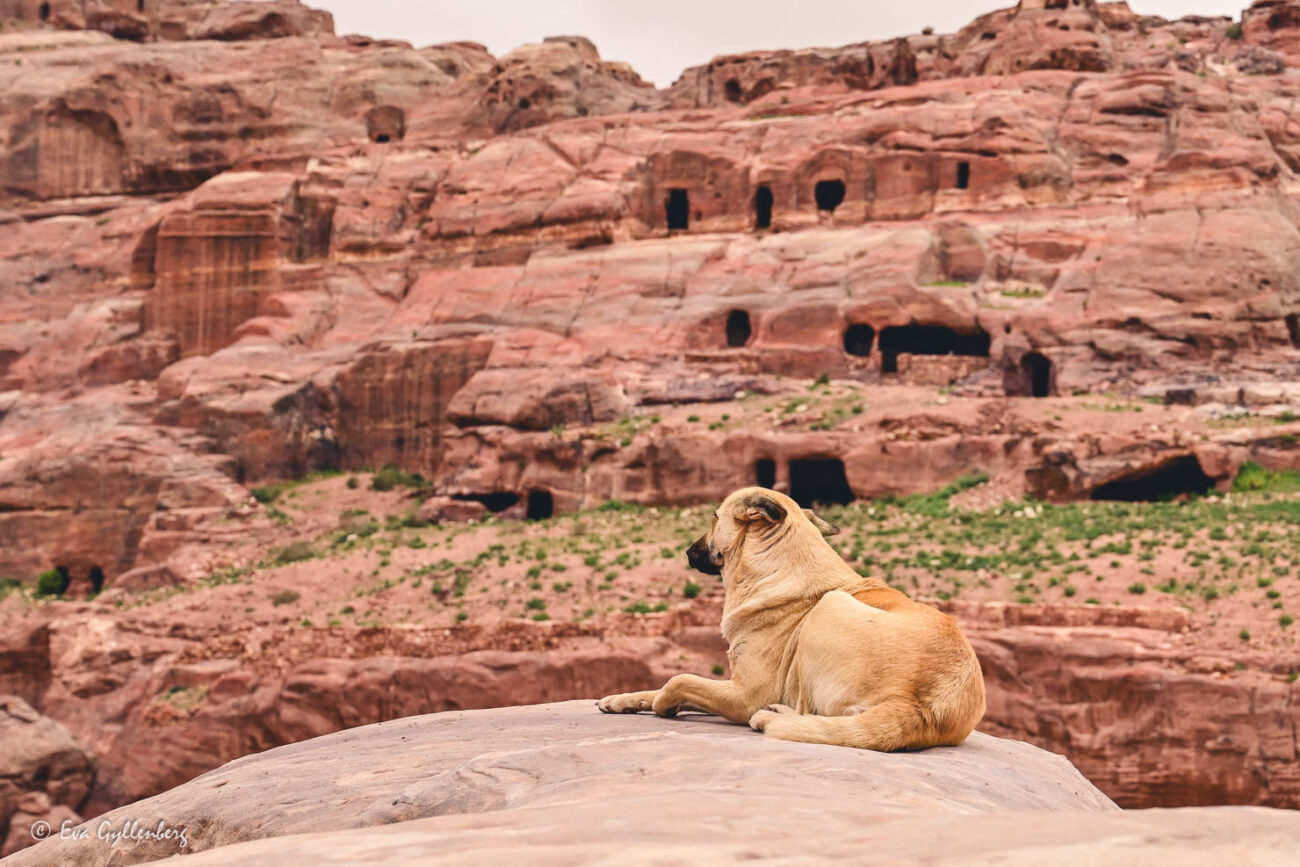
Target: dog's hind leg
x,y
889,726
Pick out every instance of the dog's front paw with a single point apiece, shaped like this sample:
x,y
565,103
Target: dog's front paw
x,y
758,722
628,702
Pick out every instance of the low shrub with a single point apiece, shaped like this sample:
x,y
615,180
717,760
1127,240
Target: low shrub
x,y
294,552
51,583
285,597
392,476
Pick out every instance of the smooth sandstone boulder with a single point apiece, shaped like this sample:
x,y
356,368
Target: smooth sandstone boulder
x,y
566,785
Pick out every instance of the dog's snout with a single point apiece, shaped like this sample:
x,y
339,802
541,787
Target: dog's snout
x,y
699,558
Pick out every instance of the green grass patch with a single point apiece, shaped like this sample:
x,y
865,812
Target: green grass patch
x,y
391,477
1252,478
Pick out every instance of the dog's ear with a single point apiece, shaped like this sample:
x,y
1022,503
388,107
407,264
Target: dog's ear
x,y
761,507
826,528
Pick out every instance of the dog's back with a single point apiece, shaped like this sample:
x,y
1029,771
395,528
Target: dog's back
x,y
877,670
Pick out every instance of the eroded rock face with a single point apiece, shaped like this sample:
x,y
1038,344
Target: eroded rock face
x,y
201,697
85,492
150,20
1273,24
1150,720
471,286
391,400
44,773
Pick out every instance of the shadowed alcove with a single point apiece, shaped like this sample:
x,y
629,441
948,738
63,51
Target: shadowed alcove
x,y
829,195
858,340
1036,369
819,480
739,329
1174,478
928,340
677,209
541,505
763,208
497,501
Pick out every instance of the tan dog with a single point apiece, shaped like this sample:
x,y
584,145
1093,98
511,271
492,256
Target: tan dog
x,y
819,653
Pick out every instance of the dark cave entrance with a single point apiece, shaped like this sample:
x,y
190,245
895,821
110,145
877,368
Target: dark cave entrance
x,y
385,123
96,577
1293,329
738,328
139,5
858,340
65,579
763,208
498,501
963,176
1037,371
829,195
1169,480
819,480
45,12
541,505
765,473
928,340
1283,20
733,91
678,209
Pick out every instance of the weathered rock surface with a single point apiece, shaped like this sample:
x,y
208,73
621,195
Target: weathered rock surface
x,y
467,266
1121,691
44,773
742,830
176,19
563,784
201,696
1150,718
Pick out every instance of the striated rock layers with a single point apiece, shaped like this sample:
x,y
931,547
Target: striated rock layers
x,y
560,783
152,20
338,253
1151,716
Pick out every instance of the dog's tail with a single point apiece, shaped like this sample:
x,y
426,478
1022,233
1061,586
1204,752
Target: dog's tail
x,y
886,727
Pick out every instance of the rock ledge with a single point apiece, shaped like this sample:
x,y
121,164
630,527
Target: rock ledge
x,y
568,785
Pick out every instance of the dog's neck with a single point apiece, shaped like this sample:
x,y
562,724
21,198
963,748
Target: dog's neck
x,y
759,592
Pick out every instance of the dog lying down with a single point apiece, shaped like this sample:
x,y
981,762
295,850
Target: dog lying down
x,y
818,653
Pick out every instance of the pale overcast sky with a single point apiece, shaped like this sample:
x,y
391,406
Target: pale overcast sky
x,y
660,38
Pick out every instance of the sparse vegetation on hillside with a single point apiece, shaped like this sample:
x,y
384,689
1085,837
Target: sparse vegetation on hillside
x,y
621,559
268,494
391,476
